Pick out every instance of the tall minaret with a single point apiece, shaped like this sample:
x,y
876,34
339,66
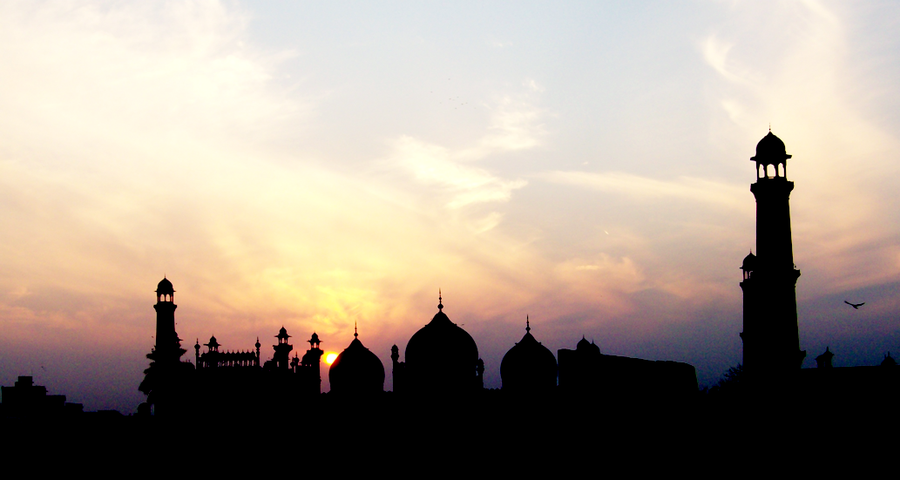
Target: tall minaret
x,y
168,345
771,339
164,381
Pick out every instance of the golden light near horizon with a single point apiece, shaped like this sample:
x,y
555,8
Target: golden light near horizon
x,y
330,357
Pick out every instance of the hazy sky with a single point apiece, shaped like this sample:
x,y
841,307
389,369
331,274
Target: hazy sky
x,y
318,164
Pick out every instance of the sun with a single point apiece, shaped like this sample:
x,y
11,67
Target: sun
x,y
329,357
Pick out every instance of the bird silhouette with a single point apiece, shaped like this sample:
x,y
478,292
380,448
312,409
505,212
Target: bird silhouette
x,y
855,305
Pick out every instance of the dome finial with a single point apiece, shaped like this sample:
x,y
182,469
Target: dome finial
x,y
355,333
770,127
440,301
527,325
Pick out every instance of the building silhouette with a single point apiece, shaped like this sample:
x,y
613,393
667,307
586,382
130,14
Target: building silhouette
x,y
167,380
225,382
356,371
771,339
441,361
25,401
528,368
442,365
588,374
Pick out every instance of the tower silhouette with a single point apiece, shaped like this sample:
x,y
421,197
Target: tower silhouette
x,y
164,379
771,338
283,349
168,345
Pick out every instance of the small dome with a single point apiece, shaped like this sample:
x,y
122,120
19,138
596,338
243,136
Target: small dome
x,y
165,287
282,334
770,150
528,366
356,370
584,346
749,263
441,356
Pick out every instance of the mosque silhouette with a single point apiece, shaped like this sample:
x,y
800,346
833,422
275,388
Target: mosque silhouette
x,y
441,363
439,384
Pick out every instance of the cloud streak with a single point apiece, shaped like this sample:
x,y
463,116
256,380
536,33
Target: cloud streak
x,y
710,193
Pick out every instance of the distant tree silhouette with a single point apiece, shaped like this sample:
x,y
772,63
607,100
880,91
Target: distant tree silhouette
x,y
731,383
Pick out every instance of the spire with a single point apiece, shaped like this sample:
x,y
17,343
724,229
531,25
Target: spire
x,y
527,325
440,301
355,332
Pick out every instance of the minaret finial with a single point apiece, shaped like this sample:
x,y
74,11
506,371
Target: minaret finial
x,y
527,325
355,332
440,301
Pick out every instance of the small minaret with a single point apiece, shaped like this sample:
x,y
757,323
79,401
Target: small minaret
x,y
771,337
311,364
398,369
282,350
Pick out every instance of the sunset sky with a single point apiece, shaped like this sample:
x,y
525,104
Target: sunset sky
x,y
316,164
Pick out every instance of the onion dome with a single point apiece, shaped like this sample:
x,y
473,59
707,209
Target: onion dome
x,y
165,287
888,361
441,357
770,150
356,371
528,366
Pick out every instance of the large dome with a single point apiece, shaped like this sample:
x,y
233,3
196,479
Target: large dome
x,y
770,150
356,370
528,366
441,356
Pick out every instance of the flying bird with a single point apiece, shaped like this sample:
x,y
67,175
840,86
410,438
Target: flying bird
x,y
855,305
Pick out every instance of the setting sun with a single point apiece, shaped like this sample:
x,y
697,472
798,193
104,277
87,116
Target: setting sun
x,y
329,357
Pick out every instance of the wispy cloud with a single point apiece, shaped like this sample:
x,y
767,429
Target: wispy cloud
x,y
515,125
462,183
711,193
843,169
